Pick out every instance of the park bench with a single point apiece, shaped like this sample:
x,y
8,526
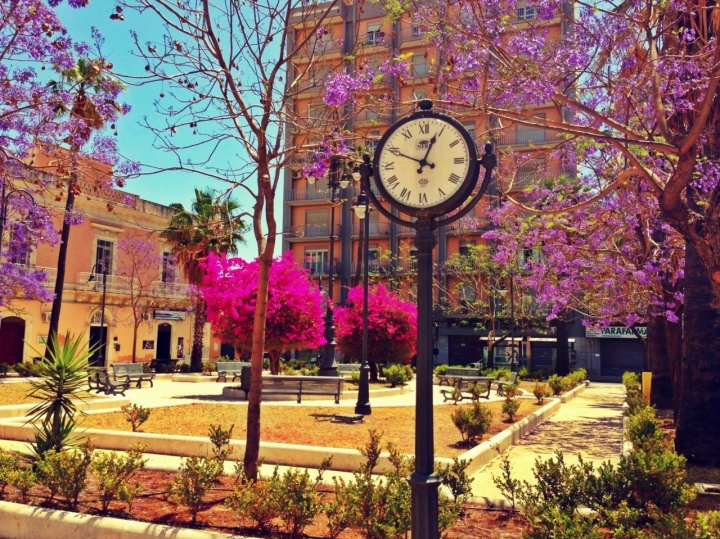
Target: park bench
x,y
303,385
501,384
453,373
226,368
483,382
100,382
132,372
163,365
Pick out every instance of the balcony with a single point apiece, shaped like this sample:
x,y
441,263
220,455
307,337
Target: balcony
x,y
469,225
377,228
375,39
374,266
313,12
525,137
51,273
304,195
383,117
407,266
116,284
406,230
310,231
411,34
321,268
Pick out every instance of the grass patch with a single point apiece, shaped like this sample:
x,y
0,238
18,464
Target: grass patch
x,y
17,393
309,425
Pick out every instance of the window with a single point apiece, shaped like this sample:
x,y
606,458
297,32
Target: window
x,y
168,268
526,12
316,261
371,140
316,222
374,35
419,94
470,126
468,294
20,252
420,68
528,173
466,247
316,111
416,32
104,256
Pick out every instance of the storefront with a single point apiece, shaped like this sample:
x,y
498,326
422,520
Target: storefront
x,y
620,349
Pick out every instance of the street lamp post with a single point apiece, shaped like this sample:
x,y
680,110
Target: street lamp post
x,y
337,180
103,337
362,210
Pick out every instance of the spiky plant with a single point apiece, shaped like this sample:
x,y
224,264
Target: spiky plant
x,y
62,378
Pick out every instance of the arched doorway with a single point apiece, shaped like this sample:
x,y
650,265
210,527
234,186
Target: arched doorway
x,y
163,341
12,333
98,338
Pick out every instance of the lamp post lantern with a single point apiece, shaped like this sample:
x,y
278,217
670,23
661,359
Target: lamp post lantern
x,y
362,209
426,166
337,180
103,337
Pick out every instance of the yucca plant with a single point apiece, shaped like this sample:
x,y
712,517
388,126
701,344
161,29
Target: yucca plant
x,y
62,378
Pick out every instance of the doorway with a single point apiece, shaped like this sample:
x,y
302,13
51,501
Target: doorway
x,y
98,339
12,333
163,341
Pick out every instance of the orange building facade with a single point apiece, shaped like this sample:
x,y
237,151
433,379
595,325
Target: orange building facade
x,y
165,311
360,35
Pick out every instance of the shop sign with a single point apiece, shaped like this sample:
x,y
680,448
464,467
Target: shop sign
x,y
615,332
169,315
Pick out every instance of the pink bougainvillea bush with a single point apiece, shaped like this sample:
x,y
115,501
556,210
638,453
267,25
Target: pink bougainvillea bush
x,y
294,312
392,327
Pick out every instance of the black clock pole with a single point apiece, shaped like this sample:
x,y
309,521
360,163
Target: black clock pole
x,y
424,482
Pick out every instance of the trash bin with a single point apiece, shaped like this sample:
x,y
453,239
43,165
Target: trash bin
x,y
245,380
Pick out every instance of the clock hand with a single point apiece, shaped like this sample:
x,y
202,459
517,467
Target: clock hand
x,y
423,162
395,151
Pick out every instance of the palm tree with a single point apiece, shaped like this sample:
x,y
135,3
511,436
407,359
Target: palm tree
x,y
210,227
85,77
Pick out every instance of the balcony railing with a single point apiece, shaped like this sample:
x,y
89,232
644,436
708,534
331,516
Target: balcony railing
x,y
406,230
310,231
377,228
374,266
321,268
414,32
375,39
298,195
528,136
407,266
470,224
116,284
50,272
357,189
372,116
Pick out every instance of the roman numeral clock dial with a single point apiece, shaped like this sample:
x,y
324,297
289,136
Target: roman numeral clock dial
x,y
424,162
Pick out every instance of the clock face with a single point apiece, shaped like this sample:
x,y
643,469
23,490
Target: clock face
x,y
425,162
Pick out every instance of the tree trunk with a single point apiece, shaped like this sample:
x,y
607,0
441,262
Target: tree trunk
x,y
274,361
491,354
252,446
60,279
562,360
658,362
136,325
198,332
698,437
673,332
373,370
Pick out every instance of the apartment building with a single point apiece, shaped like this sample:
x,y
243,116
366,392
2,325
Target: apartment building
x,y
110,215
359,35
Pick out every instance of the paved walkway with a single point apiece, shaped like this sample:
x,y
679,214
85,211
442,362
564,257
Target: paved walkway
x,y
590,424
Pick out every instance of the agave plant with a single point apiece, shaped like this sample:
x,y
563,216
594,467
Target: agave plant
x,y
62,377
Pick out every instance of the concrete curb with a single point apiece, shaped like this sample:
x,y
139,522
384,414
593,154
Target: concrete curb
x,y
28,522
299,456
486,451
101,403
574,392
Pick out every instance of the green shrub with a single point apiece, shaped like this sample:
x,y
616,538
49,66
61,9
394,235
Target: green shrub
x,y
510,407
642,427
477,391
541,391
310,371
508,486
135,415
523,372
184,368
4,368
194,479
636,401
557,384
220,440
23,479
258,500
299,498
454,476
65,472
8,463
24,369
355,378
631,381
115,473
441,370
397,375
472,422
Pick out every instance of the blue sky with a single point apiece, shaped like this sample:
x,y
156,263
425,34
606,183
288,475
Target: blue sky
x,y
136,142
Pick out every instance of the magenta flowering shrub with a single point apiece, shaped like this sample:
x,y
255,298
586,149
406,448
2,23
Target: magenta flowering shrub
x,y
294,311
392,326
